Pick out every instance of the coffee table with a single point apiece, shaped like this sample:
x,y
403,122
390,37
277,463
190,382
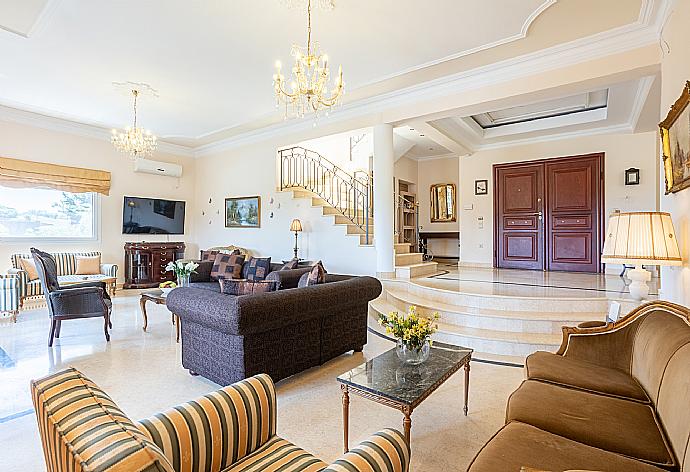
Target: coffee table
x,y
157,297
386,380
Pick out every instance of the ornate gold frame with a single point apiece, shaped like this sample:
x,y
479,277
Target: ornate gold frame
x,y
664,127
454,216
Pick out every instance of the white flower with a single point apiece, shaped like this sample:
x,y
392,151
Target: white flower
x,y
180,264
191,266
170,266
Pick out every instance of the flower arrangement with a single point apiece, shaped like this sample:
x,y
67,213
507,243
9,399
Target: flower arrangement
x,y
412,330
182,270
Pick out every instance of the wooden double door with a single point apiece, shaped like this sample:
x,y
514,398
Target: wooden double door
x,y
548,214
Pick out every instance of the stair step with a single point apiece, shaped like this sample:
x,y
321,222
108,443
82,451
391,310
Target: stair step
x,y
354,229
363,240
410,271
409,258
402,248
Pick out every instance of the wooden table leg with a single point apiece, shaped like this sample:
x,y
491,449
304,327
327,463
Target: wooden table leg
x,y
407,423
142,304
177,328
346,417
467,386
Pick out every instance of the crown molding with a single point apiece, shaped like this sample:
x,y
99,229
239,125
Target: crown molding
x,y
643,32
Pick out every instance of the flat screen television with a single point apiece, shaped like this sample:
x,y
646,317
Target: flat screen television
x,y
152,216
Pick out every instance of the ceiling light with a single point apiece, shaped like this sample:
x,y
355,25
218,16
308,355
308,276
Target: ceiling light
x,y
134,140
309,85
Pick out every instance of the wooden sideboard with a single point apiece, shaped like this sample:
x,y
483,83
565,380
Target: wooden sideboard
x,y
145,263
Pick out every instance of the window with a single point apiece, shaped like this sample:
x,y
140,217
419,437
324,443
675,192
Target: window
x,y
47,214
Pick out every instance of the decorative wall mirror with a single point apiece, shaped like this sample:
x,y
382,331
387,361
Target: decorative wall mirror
x,y
443,203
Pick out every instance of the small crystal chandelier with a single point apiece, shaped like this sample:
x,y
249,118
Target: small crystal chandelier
x,y
133,140
309,87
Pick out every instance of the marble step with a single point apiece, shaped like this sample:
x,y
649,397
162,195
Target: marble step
x,y
421,269
408,258
486,318
402,248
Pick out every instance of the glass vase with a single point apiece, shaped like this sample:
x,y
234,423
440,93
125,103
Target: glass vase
x,y
410,355
183,280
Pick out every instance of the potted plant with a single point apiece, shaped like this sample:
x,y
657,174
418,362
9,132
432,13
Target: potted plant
x,y
182,271
413,334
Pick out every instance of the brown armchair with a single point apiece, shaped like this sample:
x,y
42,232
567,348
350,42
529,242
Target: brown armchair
x,y
84,300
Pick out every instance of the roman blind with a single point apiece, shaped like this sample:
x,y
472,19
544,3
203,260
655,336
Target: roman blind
x,y
22,174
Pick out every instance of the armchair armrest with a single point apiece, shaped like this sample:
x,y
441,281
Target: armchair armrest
x,y
248,405
78,301
109,269
385,451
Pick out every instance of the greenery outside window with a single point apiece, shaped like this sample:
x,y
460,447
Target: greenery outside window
x,y
37,213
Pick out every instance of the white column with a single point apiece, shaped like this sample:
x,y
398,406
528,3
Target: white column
x,y
384,208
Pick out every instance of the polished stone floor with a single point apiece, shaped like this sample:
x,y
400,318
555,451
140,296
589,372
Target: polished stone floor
x,y
142,372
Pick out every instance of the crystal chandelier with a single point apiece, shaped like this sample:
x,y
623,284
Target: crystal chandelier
x,y
134,140
309,86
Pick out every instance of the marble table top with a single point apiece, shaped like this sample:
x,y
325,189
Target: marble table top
x,y
387,376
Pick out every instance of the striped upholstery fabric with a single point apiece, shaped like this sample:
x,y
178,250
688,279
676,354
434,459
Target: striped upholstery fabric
x,y
219,429
278,455
385,451
66,265
82,430
9,294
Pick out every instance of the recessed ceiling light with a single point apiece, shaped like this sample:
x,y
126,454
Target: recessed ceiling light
x,y
422,135
431,149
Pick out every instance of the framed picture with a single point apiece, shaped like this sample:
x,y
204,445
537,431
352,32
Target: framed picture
x,y
481,187
675,143
632,176
243,212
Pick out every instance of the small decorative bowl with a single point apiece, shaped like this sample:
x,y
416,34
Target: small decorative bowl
x,y
167,290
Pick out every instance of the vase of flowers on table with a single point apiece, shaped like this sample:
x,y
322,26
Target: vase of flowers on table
x,y
412,332
183,271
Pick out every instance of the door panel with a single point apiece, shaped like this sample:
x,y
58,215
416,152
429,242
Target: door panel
x,y
568,193
520,194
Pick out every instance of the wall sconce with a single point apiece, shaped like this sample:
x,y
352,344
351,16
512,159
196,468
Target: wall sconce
x,y
632,176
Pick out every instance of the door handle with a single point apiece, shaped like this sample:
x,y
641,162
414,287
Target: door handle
x,y
539,214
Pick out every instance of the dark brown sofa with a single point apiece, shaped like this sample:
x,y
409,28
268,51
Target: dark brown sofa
x,y
228,338
613,398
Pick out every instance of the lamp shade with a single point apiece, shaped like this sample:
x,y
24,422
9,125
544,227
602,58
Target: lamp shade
x,y
641,238
296,225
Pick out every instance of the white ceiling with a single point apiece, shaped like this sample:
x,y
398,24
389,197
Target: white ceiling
x,y
212,61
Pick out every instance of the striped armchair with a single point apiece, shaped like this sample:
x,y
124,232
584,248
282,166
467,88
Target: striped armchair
x,y
67,266
9,295
230,430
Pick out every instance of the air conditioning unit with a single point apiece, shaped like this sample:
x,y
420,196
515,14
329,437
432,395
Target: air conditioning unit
x,y
147,166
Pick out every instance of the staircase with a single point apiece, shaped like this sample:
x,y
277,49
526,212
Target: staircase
x,y
409,265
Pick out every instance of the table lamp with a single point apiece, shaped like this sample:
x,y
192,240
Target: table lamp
x,y
638,238
296,226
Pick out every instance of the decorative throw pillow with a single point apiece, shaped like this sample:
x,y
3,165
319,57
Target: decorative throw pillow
x,y
257,268
291,264
247,287
88,265
208,255
227,266
29,266
317,275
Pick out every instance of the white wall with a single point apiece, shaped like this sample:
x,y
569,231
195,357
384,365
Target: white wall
x,y
675,71
252,170
35,144
438,171
622,152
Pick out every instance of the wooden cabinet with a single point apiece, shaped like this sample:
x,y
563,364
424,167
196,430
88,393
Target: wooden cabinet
x,y
145,263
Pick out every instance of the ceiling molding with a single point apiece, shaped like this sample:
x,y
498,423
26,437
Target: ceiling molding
x,y
437,158
440,137
640,99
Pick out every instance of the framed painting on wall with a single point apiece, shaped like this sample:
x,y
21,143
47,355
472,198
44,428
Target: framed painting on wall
x,y
243,212
675,143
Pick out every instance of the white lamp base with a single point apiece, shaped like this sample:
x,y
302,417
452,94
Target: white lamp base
x,y
639,277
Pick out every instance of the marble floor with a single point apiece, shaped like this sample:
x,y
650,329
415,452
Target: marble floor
x,y
142,372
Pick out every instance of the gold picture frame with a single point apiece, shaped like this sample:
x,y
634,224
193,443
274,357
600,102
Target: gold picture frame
x,y
675,143
443,198
243,212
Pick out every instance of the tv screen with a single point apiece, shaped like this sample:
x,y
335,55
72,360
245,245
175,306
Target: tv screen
x,y
152,216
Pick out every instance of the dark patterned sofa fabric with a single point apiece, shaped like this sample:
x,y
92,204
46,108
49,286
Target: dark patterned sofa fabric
x,y
291,264
247,287
203,272
256,268
227,266
226,338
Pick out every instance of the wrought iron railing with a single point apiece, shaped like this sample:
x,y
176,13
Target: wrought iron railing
x,y
302,168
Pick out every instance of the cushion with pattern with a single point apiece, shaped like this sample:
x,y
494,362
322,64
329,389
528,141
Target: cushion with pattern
x,y
317,275
208,255
291,264
257,268
247,287
227,266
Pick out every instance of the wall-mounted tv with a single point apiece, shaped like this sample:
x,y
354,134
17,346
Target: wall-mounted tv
x,y
152,216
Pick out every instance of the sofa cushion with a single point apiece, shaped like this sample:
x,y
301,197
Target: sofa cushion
x,y
29,266
278,455
87,265
317,275
203,272
519,445
549,367
613,424
291,264
227,266
247,287
208,255
673,407
257,268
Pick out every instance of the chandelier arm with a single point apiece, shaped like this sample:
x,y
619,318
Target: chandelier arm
x,y
308,28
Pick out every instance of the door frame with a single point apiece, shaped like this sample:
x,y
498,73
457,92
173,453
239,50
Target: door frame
x,y
601,220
